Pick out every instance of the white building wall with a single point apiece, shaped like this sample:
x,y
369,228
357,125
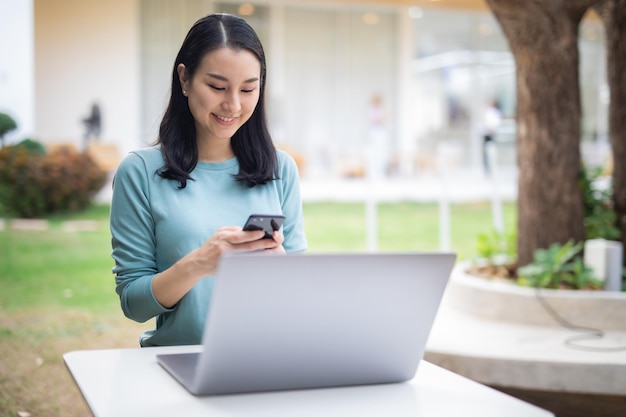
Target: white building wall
x,y
87,51
334,64
325,63
17,66
59,56
163,25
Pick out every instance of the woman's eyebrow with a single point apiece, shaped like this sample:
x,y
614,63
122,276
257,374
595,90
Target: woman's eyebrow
x,y
222,78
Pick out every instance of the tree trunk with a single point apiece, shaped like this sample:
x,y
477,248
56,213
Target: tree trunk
x,y
613,14
543,37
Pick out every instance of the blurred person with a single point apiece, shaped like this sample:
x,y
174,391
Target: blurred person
x,y
376,159
179,205
491,122
93,124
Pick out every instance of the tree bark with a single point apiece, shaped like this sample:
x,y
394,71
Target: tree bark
x,y
543,37
613,14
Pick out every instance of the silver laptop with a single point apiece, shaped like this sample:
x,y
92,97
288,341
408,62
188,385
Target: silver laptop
x,y
314,320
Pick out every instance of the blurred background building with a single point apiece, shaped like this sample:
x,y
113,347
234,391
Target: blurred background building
x,y
433,67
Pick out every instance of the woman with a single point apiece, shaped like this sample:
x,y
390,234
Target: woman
x,y
179,205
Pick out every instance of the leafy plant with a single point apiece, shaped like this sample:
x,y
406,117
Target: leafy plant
x,y
600,217
496,247
495,255
559,266
6,125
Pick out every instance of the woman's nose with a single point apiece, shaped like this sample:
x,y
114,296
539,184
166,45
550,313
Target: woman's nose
x,y
232,103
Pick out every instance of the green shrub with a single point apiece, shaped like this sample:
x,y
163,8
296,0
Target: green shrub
x,y
495,255
497,247
600,217
33,184
7,124
33,147
559,266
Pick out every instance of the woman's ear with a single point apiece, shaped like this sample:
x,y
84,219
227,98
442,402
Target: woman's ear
x,y
182,77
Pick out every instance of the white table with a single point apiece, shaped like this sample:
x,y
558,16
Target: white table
x,y
129,382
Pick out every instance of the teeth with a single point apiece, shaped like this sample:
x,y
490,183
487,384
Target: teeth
x,y
225,119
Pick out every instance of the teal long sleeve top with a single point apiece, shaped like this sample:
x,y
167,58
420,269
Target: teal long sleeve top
x,y
154,224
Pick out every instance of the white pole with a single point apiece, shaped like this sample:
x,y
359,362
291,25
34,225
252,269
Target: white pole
x,y
444,200
371,219
371,195
496,200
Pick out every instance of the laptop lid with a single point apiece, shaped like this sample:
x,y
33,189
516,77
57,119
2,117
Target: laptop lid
x,y
317,320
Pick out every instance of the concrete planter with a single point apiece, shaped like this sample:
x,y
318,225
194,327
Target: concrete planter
x,y
498,333
502,300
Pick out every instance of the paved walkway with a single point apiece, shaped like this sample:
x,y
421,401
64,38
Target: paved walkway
x,y
458,186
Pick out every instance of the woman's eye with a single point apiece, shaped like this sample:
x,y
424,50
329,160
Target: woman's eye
x,y
250,90
217,88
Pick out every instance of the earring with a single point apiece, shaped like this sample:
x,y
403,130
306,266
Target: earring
x,y
185,93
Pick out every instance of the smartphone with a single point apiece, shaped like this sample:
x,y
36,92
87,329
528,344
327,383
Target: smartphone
x,y
267,222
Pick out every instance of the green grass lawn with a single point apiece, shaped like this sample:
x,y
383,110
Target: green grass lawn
x,y
55,269
51,269
402,226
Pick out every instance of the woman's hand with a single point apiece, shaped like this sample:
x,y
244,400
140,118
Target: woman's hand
x,y
172,284
232,238
279,239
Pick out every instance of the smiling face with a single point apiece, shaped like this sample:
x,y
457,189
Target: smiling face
x,y
222,94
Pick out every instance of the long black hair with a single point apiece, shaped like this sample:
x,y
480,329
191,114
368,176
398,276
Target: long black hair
x,y
252,143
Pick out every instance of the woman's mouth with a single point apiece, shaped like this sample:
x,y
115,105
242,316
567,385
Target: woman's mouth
x,y
224,120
